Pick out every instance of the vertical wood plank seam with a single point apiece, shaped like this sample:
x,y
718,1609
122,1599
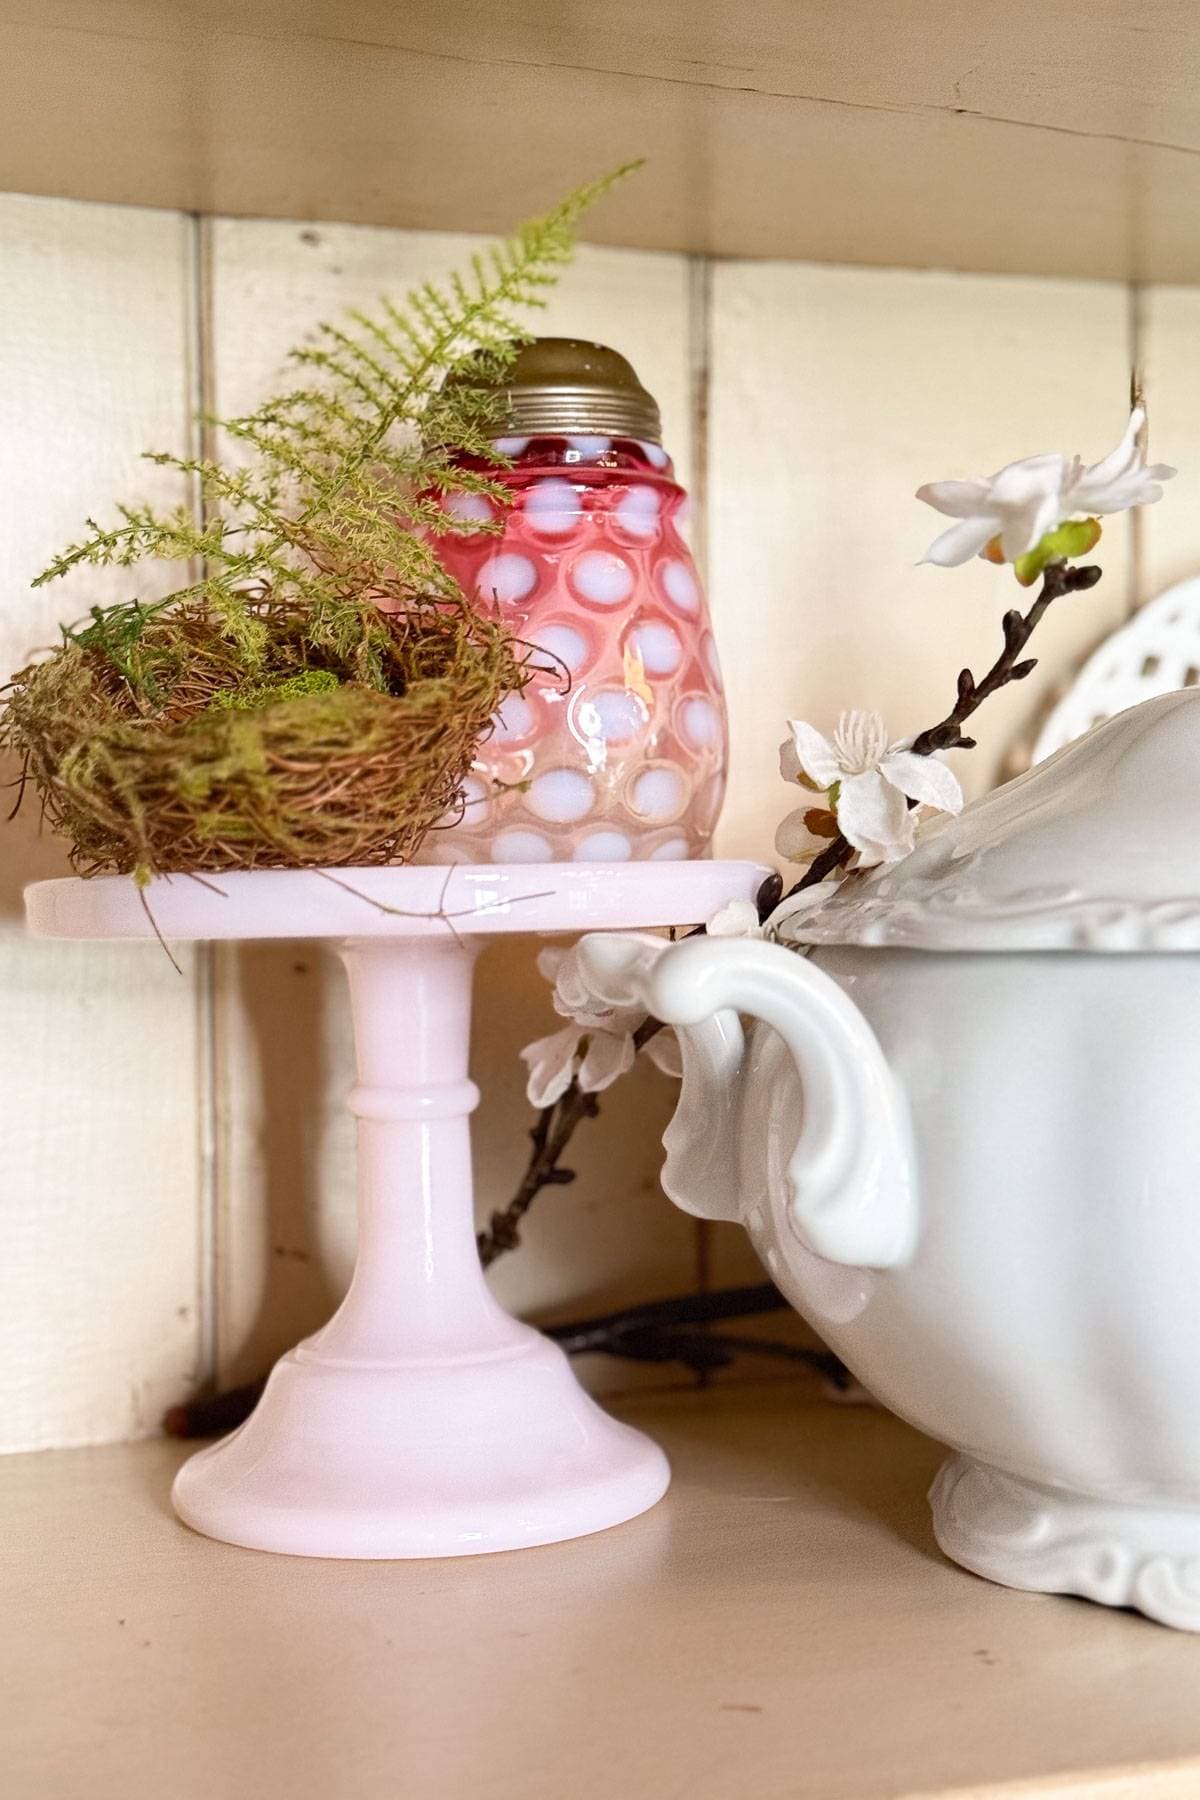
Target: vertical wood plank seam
x,y
206,1184
699,328
699,324
1138,549
200,398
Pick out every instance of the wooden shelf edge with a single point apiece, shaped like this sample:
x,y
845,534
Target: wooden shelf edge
x,y
781,1625
813,134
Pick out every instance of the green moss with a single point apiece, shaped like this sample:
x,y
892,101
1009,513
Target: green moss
x,y
306,768
264,693
314,691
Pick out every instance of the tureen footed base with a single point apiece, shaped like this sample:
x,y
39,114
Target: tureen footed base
x,y
1050,1541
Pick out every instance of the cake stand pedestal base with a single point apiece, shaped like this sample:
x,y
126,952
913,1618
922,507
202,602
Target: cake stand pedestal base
x,y
422,1420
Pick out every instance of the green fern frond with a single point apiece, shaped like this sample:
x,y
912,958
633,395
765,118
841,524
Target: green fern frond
x,y
113,629
341,486
143,533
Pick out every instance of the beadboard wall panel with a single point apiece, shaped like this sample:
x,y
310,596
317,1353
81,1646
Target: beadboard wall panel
x,y
103,1280
285,1222
833,394
807,403
1168,535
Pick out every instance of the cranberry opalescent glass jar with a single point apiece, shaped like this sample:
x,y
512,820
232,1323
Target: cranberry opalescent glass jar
x,y
617,748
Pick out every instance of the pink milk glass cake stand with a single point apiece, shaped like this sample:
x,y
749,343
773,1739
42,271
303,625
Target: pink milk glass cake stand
x,y
422,1420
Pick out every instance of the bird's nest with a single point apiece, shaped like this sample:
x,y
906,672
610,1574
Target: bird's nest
x,y
175,741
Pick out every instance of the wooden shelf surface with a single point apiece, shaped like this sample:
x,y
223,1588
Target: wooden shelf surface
x,y
781,1627
980,134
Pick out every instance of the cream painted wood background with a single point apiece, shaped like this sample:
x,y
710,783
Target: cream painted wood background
x,y
175,1166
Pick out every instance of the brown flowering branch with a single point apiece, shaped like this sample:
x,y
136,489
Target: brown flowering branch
x,y
552,1132
1011,665
550,1136
654,1332
663,1331
556,1124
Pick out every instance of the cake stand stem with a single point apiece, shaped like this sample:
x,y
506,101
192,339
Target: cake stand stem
x,y
418,1290
422,1420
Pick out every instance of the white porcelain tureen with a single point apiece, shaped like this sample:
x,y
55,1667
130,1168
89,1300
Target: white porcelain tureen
x,y
964,1135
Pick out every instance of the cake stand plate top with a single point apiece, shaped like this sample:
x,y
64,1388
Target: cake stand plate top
x,y
488,898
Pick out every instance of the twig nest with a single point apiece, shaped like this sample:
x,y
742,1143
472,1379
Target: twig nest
x,y
189,742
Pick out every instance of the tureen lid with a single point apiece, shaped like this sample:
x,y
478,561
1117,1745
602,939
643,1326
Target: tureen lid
x,y
1096,849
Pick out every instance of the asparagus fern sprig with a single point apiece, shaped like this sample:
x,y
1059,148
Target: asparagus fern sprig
x,y
335,483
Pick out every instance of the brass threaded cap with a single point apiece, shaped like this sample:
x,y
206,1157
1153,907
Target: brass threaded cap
x,y
566,386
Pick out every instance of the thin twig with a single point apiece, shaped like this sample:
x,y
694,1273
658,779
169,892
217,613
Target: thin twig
x,y
165,947
550,1136
400,912
20,783
661,1331
556,1124
221,893
1060,578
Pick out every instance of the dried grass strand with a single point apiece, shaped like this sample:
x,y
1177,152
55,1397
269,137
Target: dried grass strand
x,y
158,774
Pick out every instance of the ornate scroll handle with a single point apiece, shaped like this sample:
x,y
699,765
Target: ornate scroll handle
x,y
850,1182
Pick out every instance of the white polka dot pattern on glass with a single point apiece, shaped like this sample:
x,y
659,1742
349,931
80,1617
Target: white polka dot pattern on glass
x,y
613,714
565,644
680,587
468,506
699,721
506,578
657,794
553,508
475,801
590,449
437,848
603,846
638,512
561,796
708,649
602,577
515,721
616,747
522,847
511,446
472,807
657,646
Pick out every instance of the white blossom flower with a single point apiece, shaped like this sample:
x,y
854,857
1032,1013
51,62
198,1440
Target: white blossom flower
x,y
1020,503
553,1062
597,1046
739,918
869,781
